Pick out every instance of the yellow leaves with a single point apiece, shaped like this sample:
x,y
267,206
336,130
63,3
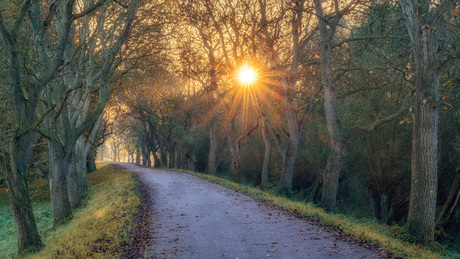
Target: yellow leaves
x,y
405,120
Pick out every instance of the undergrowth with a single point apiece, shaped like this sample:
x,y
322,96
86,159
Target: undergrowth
x,y
97,230
388,238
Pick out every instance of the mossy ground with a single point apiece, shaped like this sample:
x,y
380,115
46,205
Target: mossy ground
x,y
391,239
97,230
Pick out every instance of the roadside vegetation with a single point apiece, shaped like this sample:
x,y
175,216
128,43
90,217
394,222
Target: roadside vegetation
x,y
99,229
392,239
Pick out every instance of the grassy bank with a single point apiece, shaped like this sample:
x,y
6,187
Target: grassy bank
x,y
97,230
391,239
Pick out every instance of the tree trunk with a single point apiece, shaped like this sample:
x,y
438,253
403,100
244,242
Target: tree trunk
x,y
267,155
213,142
58,183
450,203
422,206
290,152
331,175
145,156
333,168
21,207
164,157
102,151
425,26
138,156
91,161
398,209
235,156
190,160
76,175
375,203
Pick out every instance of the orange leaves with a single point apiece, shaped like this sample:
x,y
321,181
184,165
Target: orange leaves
x,y
405,120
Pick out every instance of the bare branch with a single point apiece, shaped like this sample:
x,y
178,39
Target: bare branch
x,y
89,10
379,122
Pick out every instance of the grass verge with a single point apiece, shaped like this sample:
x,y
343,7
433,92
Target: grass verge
x,y
97,230
384,236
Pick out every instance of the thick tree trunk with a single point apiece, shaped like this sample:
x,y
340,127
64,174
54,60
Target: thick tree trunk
x,y
424,183
58,183
21,207
425,26
76,175
267,155
213,142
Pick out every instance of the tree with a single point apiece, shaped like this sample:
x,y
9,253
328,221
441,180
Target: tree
x,y
426,24
291,90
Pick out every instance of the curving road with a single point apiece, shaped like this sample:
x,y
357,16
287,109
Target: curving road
x,y
193,218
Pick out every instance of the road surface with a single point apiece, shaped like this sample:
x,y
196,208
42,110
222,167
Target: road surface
x,y
193,218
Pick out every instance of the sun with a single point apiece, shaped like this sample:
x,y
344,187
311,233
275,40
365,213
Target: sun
x,y
247,76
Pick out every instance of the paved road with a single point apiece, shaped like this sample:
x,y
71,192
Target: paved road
x,y
194,218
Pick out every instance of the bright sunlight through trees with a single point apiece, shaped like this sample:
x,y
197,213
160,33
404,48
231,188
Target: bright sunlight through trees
x,y
247,76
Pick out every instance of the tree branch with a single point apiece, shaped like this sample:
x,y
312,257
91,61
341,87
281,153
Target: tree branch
x,y
89,10
338,44
379,122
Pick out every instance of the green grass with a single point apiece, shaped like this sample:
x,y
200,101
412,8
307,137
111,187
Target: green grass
x,y
97,230
388,238
43,217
